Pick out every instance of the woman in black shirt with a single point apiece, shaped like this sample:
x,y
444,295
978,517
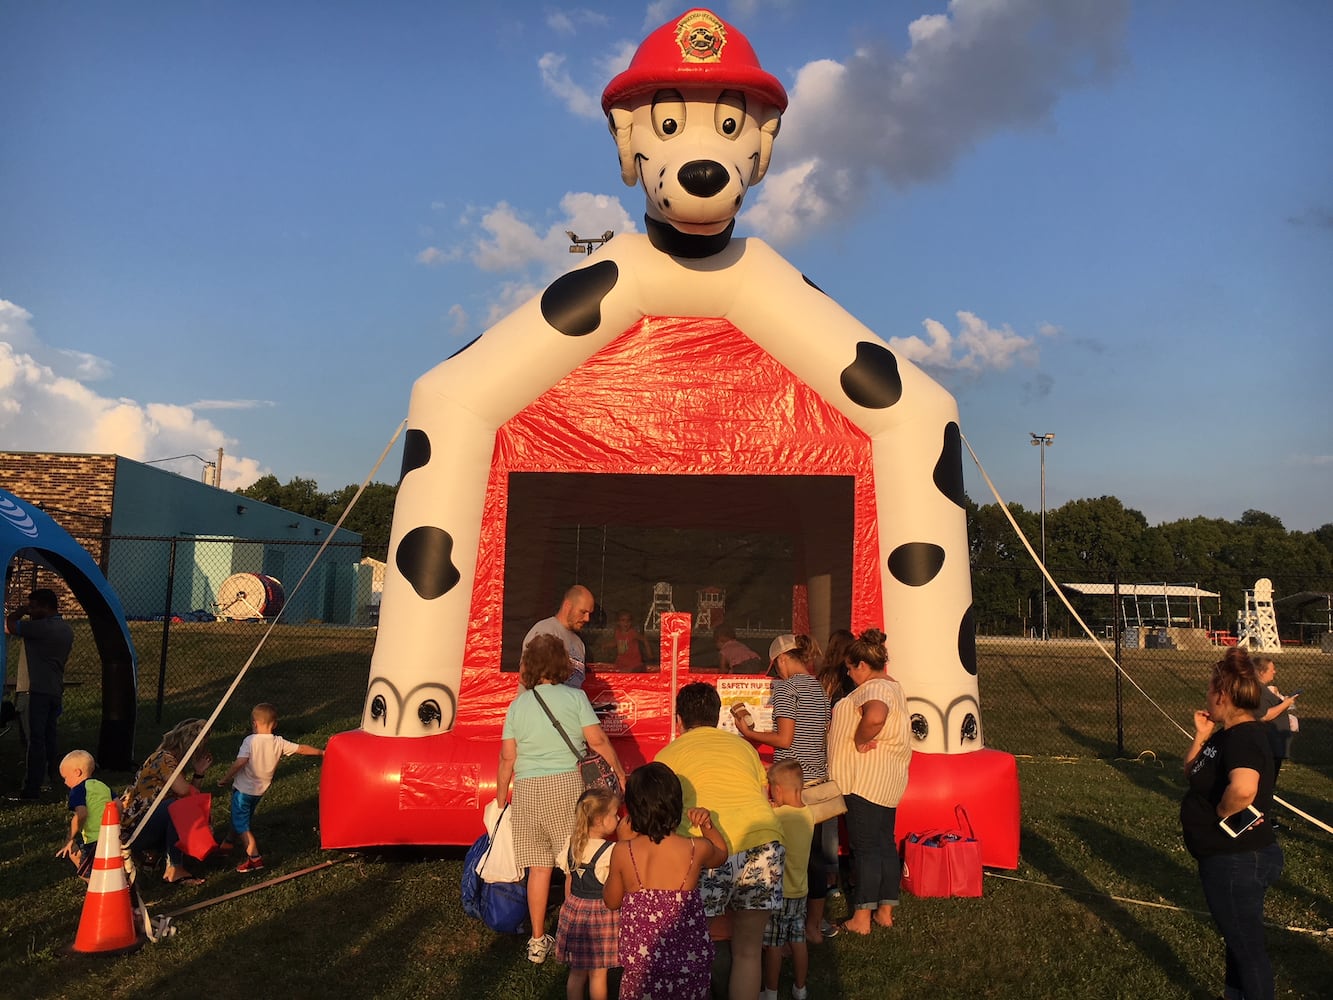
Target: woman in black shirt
x,y
1229,768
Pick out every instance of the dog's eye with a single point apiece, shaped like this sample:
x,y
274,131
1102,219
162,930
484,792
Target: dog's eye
x,y
729,114
668,113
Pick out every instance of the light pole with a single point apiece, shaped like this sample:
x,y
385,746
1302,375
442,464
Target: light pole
x,y
587,244
1043,441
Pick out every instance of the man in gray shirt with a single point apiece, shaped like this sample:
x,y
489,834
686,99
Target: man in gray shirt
x,y
47,641
565,625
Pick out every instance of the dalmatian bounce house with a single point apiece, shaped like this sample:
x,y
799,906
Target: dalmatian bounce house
x,y
684,409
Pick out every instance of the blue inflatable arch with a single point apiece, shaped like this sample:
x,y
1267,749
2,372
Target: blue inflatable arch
x,y
29,533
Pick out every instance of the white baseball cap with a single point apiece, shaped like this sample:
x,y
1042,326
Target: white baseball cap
x,y
782,644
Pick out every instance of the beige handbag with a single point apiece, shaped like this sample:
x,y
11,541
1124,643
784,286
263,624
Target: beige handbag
x,y
824,799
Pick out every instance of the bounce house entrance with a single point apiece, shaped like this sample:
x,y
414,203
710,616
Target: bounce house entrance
x,y
761,555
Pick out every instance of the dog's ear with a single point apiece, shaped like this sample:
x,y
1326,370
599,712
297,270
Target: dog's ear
x,y
769,124
621,122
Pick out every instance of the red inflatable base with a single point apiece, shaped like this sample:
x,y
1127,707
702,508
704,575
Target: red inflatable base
x,y
984,782
381,790
429,790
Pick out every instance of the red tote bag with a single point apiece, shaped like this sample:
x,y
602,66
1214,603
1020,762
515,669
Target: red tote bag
x,y
943,863
191,817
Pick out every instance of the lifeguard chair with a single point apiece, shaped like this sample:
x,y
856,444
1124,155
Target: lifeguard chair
x,y
661,605
1256,624
710,600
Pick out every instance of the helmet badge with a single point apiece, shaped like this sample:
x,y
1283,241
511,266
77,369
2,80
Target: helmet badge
x,y
701,37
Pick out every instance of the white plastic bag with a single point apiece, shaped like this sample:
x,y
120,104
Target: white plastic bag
x,y
499,864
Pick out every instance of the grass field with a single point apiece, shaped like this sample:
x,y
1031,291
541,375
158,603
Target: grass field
x,y
1095,826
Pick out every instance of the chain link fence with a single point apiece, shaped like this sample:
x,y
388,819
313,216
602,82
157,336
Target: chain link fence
x,y
1058,695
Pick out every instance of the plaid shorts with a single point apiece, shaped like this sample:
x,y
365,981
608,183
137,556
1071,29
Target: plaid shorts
x,y
543,816
787,925
750,880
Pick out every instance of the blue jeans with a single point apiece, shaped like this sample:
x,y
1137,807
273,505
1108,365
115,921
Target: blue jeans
x,y
1234,886
158,833
823,857
38,714
874,853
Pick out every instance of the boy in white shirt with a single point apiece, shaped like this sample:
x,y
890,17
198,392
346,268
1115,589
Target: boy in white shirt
x,y
253,771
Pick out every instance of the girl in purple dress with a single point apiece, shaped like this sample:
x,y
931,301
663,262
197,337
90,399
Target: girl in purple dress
x,y
654,883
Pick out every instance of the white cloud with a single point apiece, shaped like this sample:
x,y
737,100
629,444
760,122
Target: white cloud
x,y
231,404
615,61
434,255
458,318
568,22
16,326
16,330
978,347
87,367
577,100
47,408
508,297
584,101
512,243
658,13
984,67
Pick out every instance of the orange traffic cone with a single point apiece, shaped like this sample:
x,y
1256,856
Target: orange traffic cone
x,y
107,923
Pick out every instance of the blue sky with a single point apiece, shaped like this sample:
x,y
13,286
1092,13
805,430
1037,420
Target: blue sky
x,y
252,225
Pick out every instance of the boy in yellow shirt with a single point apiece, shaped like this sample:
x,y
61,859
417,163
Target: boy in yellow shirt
x,y
786,927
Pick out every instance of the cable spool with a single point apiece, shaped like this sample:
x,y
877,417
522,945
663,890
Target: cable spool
x,y
249,596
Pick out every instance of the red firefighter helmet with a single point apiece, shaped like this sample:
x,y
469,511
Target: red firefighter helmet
x,y
699,49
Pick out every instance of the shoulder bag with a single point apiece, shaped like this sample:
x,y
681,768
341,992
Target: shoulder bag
x,y
592,766
824,799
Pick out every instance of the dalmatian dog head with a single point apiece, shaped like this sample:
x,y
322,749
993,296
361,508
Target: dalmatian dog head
x,y
694,118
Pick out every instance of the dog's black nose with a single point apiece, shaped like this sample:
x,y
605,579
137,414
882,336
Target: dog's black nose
x,y
702,178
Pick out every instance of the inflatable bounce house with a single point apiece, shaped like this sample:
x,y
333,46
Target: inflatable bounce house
x,y
698,401
29,533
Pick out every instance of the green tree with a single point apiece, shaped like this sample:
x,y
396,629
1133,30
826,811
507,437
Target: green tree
x,y
372,516
1101,535
300,496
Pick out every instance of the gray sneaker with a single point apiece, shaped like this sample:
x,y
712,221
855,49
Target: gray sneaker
x,y
539,948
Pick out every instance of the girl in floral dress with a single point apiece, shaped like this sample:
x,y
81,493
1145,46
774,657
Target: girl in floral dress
x,y
654,883
587,939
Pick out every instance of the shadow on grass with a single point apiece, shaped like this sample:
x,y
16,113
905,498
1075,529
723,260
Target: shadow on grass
x,y
1044,857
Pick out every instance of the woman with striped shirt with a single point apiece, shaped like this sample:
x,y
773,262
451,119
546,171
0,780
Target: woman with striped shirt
x,y
801,718
869,754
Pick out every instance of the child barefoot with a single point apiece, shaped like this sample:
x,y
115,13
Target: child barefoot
x,y
588,936
654,882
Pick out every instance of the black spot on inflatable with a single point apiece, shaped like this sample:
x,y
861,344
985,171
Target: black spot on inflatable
x,y
967,642
872,380
916,563
949,468
416,451
812,284
464,347
424,557
573,303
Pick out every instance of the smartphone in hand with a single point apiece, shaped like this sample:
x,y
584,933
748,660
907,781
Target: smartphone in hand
x,y
1237,823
